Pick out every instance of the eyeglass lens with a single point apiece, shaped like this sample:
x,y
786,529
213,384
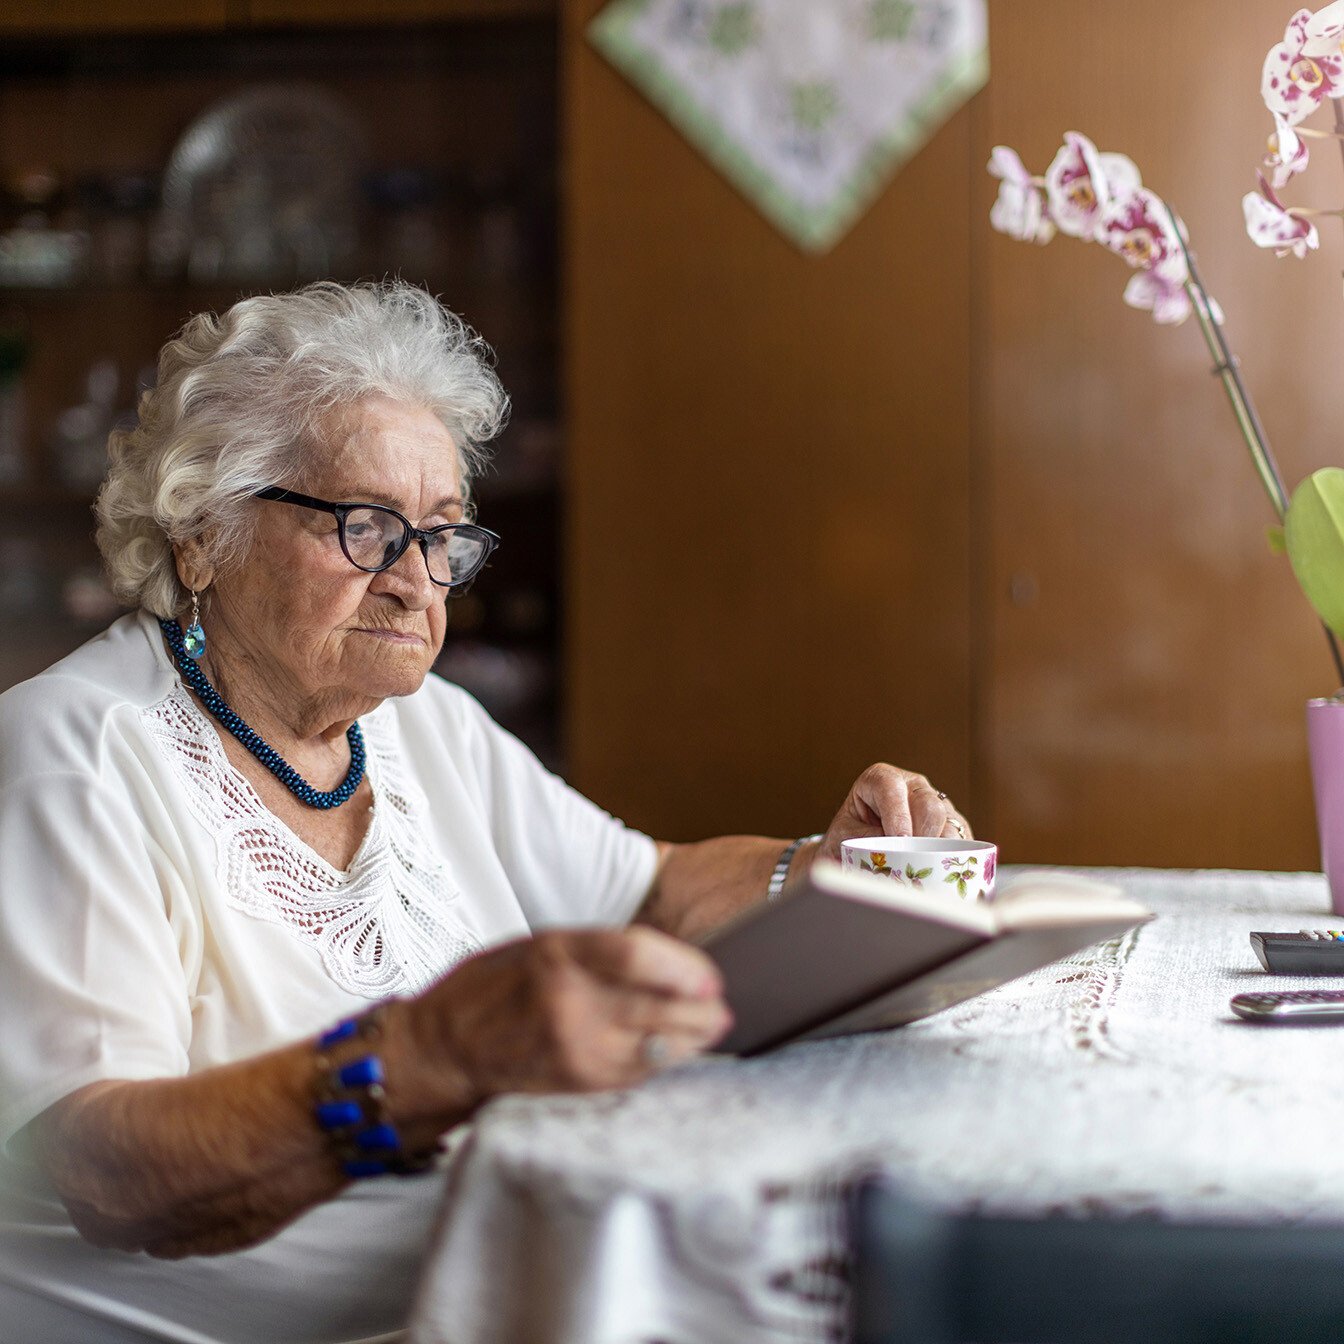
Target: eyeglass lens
x,y
374,538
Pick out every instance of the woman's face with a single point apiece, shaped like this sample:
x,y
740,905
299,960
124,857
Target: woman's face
x,y
302,616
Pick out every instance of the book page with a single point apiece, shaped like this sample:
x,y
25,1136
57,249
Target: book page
x,y
1045,899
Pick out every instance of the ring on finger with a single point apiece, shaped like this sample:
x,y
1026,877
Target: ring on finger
x,y
951,821
654,1050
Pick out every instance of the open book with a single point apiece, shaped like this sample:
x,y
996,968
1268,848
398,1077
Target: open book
x,y
844,951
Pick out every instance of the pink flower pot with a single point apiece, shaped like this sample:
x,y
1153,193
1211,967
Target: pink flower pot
x,y
1325,744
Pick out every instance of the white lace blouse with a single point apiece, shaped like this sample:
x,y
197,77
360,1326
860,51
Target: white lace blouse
x,y
157,919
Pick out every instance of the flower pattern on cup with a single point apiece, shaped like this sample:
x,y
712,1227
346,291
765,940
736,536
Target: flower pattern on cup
x,y
963,870
961,877
914,876
911,877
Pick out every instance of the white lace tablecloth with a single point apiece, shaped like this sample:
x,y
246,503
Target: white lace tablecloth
x,y
704,1207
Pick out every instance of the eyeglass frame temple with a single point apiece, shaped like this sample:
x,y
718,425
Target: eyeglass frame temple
x,y
339,508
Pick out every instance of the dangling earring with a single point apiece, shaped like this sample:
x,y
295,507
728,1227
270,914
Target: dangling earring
x,y
194,640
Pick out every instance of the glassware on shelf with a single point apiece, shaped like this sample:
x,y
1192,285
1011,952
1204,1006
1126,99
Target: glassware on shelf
x,y
79,437
118,207
40,250
263,187
529,455
499,251
14,351
410,225
22,583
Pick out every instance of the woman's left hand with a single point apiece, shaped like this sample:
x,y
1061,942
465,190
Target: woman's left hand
x,y
886,800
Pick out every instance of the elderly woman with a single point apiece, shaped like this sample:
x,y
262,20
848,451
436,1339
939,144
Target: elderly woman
x,y
278,909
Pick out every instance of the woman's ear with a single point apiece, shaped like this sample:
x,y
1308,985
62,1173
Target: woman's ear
x,y
193,569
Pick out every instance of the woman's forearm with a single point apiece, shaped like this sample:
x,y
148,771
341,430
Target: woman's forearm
x,y
702,885
224,1158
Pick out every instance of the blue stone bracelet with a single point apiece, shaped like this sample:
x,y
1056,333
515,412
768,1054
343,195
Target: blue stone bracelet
x,y
351,1103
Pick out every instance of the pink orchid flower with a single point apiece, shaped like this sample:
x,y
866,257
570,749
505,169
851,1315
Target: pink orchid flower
x,y
1287,153
1020,210
1139,228
1271,224
1082,182
1164,297
1307,67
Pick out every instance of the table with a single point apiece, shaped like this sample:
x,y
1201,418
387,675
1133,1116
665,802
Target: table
x,y
706,1206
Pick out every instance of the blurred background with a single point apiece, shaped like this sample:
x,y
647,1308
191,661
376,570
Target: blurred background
x,y
933,496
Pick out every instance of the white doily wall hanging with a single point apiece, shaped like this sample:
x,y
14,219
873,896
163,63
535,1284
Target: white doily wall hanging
x,y
807,106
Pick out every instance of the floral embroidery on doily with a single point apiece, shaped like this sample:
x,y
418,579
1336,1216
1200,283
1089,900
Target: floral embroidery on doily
x,y
384,926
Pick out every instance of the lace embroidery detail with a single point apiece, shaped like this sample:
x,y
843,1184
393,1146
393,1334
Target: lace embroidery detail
x,y
383,927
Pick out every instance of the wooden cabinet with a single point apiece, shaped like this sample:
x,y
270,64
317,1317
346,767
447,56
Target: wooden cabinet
x,y
457,190
389,11
39,18
64,17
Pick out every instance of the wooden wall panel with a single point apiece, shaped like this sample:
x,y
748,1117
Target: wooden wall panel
x,y
768,532
1146,659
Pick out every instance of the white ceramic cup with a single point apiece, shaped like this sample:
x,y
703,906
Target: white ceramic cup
x,y
963,869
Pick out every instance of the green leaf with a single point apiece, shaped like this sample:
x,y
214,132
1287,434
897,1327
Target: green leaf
x,y
924,872
1314,533
1278,543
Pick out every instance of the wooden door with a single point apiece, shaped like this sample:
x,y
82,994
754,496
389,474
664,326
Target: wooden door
x,y
768,471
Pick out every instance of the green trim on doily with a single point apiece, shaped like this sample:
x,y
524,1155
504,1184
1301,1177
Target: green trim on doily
x,y
815,229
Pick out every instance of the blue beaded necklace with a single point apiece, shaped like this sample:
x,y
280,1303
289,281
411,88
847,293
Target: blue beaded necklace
x,y
267,755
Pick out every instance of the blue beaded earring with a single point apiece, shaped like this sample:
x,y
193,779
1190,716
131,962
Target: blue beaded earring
x,y
194,639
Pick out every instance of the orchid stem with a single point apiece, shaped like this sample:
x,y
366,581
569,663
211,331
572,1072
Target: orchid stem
x,y
1225,365
1338,105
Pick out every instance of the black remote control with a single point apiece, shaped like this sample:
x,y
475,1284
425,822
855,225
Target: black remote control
x,y
1309,952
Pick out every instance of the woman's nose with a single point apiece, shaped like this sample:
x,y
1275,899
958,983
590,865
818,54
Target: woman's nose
x,y
408,578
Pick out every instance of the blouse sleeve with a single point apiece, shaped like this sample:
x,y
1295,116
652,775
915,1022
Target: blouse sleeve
x,y
92,980
569,862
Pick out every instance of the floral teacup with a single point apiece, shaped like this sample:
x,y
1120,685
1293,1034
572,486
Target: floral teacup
x,y
953,867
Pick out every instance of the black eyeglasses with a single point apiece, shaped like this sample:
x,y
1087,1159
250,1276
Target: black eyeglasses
x,y
374,538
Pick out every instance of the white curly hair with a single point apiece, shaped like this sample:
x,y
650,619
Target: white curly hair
x,y
238,399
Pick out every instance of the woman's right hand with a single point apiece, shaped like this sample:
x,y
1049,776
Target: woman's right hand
x,y
569,1011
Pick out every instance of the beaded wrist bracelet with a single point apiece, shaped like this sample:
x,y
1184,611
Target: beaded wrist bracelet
x,y
351,1105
